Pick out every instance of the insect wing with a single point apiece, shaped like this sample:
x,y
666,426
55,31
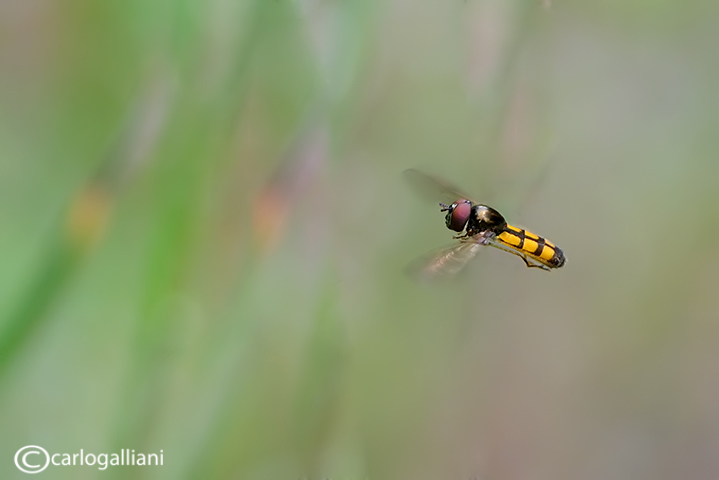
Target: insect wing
x,y
444,262
433,188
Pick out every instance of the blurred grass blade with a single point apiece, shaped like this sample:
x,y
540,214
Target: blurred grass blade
x,y
83,226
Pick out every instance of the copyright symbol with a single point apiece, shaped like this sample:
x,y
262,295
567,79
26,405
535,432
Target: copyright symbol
x,y
25,462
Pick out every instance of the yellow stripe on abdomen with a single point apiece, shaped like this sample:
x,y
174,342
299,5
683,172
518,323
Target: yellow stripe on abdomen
x,y
511,239
531,245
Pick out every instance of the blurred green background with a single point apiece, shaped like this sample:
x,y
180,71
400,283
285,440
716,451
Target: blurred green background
x,y
205,226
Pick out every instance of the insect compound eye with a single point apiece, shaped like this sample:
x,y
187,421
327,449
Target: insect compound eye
x,y
458,215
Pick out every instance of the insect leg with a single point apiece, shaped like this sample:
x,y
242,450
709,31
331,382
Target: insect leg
x,y
531,265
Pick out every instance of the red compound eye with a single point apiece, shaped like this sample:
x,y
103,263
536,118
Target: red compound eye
x,y
458,215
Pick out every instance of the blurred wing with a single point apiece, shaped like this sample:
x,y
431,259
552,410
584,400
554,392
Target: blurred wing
x,y
444,262
432,188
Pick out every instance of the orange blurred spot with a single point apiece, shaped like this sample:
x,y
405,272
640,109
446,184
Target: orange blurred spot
x,y
269,217
88,216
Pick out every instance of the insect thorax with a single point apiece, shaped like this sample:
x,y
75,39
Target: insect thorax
x,y
485,218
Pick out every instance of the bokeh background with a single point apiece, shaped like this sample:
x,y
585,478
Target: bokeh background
x,y
205,229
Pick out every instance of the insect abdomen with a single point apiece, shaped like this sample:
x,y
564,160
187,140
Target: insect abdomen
x,y
534,246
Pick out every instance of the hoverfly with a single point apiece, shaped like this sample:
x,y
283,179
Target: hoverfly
x,y
478,225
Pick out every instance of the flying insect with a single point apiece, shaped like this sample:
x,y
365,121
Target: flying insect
x,y
478,225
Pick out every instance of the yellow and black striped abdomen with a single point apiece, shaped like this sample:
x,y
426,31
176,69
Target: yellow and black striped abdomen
x,y
530,246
